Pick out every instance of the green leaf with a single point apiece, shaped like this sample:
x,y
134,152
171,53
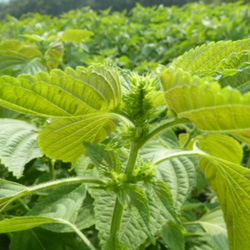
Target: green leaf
x,y
215,226
104,203
41,239
164,194
18,145
172,236
11,191
210,56
180,175
62,94
135,197
63,203
207,105
213,222
86,215
54,55
237,78
235,60
104,79
226,147
173,167
25,222
63,139
75,35
105,160
231,183
20,57
133,230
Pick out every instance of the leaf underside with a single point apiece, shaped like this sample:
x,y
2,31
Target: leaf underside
x,y
63,138
231,183
18,144
207,105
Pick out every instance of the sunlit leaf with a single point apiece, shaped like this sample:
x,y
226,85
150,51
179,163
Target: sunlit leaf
x,y
209,56
20,57
18,144
231,183
207,105
62,94
75,35
63,139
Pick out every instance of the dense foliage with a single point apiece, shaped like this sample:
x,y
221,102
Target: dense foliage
x,y
142,41
56,7
126,132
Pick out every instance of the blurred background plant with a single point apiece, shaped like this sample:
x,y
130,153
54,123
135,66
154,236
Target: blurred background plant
x,y
17,8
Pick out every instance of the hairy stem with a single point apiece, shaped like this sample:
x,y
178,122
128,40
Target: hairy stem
x,y
118,210
134,149
117,218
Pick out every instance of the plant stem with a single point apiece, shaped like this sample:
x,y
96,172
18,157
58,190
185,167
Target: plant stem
x,y
118,210
134,149
80,234
66,181
52,170
117,218
133,153
162,127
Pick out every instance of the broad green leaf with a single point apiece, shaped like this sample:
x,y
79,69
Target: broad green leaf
x,y
40,239
18,144
63,138
177,171
207,105
25,222
172,236
20,57
105,160
11,191
237,78
135,197
233,71
103,79
28,222
180,175
133,230
226,147
235,60
63,203
206,242
231,183
213,222
62,94
164,194
12,60
86,215
104,203
207,57
75,35
54,55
